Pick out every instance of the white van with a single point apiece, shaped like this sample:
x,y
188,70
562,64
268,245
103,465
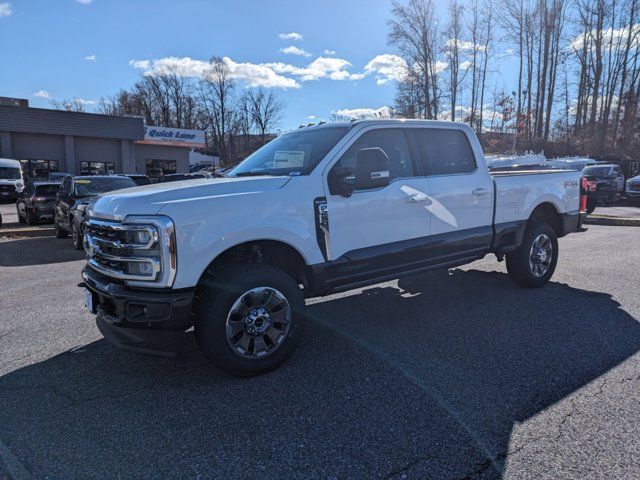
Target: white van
x,y
11,180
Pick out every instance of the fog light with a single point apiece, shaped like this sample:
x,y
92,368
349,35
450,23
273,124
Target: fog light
x,y
140,268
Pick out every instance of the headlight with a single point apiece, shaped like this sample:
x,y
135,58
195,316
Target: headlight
x,y
81,207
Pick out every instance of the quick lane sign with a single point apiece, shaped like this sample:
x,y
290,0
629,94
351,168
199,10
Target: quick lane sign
x,y
178,137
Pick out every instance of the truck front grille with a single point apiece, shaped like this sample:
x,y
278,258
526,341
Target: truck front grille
x,y
133,252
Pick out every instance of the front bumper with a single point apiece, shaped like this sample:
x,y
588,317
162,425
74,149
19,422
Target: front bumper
x,y
142,321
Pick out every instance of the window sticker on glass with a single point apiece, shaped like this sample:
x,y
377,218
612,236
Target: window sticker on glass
x,y
290,159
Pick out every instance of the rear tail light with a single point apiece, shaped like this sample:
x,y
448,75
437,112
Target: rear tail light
x,y
592,185
584,186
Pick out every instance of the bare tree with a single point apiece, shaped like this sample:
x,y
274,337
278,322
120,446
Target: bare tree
x,y
216,93
69,105
265,110
414,31
452,49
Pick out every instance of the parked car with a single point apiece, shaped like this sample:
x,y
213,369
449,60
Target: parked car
x,y
36,202
73,197
318,210
139,178
605,184
633,190
176,177
57,176
11,179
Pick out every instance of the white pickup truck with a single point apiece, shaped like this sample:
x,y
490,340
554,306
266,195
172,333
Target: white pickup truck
x,y
317,210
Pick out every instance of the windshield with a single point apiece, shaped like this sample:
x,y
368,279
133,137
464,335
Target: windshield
x,y
597,171
10,173
47,190
295,153
88,187
57,175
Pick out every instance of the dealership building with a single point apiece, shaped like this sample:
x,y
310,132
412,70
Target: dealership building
x,y
81,143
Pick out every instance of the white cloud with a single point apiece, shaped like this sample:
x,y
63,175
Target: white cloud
x,y
321,67
441,66
91,58
41,94
290,36
465,65
362,113
386,67
85,2
464,45
295,51
609,35
140,64
329,52
253,75
311,117
5,9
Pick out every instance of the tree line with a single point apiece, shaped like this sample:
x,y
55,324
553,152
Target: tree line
x,y
577,84
236,121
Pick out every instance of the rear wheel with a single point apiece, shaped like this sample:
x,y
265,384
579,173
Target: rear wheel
x,y
247,318
533,262
30,217
20,217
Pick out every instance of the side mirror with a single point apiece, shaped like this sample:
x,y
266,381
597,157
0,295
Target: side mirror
x,y
372,168
339,183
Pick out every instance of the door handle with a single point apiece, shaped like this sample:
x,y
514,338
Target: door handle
x,y
416,198
480,191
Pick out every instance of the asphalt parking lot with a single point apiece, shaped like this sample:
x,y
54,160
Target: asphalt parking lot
x,y
454,375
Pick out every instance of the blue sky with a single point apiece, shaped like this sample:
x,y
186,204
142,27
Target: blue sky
x,y
87,49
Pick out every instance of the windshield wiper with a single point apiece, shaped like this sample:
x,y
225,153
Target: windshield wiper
x,y
253,173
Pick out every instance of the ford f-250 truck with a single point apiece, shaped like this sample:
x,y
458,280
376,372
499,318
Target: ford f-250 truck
x,y
317,210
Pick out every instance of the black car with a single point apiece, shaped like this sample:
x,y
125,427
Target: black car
x,y
633,190
139,178
176,177
57,177
605,184
73,197
36,202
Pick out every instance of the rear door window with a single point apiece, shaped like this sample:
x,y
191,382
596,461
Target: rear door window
x,y
445,152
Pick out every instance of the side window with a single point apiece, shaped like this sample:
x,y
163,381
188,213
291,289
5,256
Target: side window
x,y
447,152
66,184
392,141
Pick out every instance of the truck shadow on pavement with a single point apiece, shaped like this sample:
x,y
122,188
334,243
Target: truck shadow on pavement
x,y
38,251
426,380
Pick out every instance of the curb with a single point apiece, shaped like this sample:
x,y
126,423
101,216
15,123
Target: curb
x,y
27,232
612,221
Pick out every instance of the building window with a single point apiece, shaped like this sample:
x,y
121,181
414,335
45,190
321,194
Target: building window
x,y
38,169
97,168
157,168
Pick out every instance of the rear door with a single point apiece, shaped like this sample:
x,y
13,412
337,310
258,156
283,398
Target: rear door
x,y
461,206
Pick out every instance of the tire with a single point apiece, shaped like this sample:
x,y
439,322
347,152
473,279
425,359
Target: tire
x,y
534,269
30,218
20,218
60,233
76,235
237,293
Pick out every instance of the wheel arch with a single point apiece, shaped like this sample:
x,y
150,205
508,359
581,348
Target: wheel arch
x,y
548,212
277,253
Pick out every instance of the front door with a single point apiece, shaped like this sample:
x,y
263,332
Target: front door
x,y
375,231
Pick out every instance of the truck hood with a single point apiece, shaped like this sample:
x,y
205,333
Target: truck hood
x,y
149,199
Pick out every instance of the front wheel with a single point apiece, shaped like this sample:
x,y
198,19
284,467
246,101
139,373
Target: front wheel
x,y
60,232
76,235
247,318
533,262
